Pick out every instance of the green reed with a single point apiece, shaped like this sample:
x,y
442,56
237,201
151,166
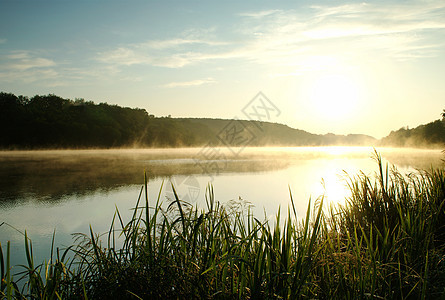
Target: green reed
x,y
386,242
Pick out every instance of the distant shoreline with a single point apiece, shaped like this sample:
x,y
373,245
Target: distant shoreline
x,y
438,147
51,122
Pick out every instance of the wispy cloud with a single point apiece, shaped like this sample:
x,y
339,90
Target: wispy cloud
x,y
125,56
259,14
177,42
34,67
192,45
371,19
26,66
24,60
197,82
285,40
289,37
30,76
164,53
400,31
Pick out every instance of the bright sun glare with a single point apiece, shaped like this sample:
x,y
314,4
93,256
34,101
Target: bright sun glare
x,y
335,96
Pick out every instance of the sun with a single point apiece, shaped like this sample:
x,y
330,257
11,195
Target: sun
x,y
335,96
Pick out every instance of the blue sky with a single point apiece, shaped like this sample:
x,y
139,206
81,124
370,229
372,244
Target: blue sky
x,y
331,66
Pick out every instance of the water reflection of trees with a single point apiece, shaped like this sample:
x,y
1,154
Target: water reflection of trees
x,y
52,176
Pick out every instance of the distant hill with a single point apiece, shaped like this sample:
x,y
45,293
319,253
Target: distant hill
x,y
53,122
427,135
256,133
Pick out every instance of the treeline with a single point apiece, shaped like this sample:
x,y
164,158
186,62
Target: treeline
x,y
50,121
53,122
427,135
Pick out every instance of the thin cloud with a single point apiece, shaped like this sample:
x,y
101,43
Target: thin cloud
x,y
124,56
147,54
27,67
370,19
31,67
30,76
173,43
342,29
286,38
24,60
191,83
259,14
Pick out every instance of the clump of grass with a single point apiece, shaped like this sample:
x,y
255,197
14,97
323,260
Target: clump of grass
x,y
387,241
401,219
184,252
48,280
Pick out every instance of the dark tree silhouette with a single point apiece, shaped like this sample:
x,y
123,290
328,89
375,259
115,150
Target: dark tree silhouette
x,y
51,121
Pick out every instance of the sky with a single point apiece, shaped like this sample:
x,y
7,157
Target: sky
x,y
324,66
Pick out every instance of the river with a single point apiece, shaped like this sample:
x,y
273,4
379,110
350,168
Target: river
x,y
66,191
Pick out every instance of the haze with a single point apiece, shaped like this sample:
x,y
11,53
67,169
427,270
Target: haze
x,y
342,67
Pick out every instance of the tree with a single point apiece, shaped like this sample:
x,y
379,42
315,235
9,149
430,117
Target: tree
x,y
443,114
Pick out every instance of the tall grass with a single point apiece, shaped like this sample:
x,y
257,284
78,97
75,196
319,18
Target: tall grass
x,y
389,237
386,242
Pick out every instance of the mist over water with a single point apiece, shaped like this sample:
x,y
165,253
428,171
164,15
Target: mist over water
x,y
67,190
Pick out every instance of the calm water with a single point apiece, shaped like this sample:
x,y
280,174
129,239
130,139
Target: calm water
x,y
66,191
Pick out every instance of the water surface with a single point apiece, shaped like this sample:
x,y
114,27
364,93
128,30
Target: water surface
x,y
68,190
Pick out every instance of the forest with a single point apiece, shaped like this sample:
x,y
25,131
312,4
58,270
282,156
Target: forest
x,y
426,135
49,121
